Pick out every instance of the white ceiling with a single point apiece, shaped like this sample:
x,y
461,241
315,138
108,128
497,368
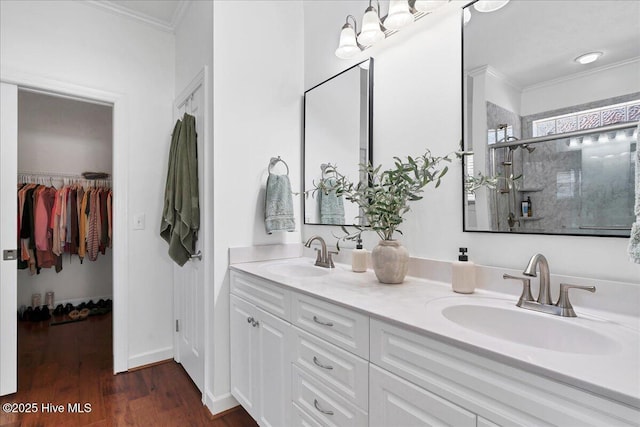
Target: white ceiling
x,y
163,14
536,41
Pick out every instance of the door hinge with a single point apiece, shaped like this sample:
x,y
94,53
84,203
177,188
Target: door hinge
x,y
177,327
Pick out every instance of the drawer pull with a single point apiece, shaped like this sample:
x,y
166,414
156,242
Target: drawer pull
x,y
315,360
317,405
315,319
249,319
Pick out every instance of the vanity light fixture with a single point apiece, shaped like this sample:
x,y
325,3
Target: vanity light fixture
x,y
371,27
588,58
489,5
348,47
375,29
399,15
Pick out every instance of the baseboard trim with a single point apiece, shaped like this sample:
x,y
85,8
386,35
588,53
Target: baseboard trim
x,y
225,413
219,404
150,365
150,357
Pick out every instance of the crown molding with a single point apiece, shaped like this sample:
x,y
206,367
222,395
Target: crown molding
x,y
156,23
581,74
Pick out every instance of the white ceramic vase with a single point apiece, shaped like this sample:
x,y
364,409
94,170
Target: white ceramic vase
x,y
390,261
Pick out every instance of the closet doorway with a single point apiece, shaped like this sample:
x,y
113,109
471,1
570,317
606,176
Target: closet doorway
x,y
65,288
54,150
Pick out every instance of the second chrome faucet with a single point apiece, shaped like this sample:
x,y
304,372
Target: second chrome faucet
x,y
543,304
323,257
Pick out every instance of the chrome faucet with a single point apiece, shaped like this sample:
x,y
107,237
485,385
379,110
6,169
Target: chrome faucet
x,y
544,294
561,308
323,257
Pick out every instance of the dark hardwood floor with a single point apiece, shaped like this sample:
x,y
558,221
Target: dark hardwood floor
x,y
72,364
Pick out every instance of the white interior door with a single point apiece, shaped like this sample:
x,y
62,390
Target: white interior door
x,y
189,280
8,238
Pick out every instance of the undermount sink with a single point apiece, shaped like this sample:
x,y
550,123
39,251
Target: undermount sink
x,y
296,269
501,319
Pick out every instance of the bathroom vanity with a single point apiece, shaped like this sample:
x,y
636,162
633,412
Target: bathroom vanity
x,y
314,346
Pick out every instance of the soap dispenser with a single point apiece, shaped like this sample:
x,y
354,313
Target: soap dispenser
x,y
359,258
463,274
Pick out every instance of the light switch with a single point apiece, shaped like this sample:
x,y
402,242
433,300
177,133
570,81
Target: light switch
x,y
138,221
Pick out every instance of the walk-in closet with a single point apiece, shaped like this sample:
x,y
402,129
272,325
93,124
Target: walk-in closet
x,y
65,236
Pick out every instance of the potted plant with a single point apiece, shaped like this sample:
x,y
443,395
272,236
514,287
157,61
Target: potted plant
x,y
383,202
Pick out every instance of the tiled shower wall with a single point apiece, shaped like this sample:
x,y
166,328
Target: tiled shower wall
x,y
574,184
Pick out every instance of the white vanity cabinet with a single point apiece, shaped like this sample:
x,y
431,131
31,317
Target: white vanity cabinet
x,y
260,363
310,362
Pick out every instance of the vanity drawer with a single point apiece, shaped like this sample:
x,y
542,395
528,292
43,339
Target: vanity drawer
x,y
262,293
344,372
396,402
323,404
343,327
299,418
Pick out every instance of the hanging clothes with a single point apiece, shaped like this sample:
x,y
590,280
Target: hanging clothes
x,y
181,212
53,222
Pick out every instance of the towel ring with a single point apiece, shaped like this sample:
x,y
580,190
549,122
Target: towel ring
x,y
324,167
274,161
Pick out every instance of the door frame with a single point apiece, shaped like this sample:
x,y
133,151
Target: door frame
x,y
120,186
206,214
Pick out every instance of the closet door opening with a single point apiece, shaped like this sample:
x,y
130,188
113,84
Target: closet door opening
x,y
65,226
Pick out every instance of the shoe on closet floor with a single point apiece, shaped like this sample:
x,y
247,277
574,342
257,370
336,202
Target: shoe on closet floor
x,y
74,315
68,308
59,311
45,314
84,313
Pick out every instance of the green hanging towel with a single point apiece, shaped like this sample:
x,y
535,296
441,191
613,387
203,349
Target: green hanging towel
x,y
181,212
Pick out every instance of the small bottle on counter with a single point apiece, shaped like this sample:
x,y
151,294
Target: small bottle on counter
x,y
524,208
529,207
359,258
463,274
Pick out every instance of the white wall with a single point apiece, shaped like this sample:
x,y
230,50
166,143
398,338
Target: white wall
x,y
76,43
603,83
59,135
257,113
422,67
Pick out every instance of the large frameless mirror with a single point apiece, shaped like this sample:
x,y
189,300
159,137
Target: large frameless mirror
x,y
553,132
337,133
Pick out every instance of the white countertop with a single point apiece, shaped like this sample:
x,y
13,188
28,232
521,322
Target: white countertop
x,y
416,304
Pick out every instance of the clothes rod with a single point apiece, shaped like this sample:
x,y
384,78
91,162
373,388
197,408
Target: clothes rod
x,y
546,138
60,175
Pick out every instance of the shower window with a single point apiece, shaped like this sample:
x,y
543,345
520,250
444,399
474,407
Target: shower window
x,y
588,119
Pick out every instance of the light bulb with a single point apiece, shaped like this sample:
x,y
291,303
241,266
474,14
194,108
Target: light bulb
x,y
588,58
399,15
347,48
371,32
466,16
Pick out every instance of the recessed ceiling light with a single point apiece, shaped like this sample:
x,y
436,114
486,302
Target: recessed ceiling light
x,y
588,58
489,5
